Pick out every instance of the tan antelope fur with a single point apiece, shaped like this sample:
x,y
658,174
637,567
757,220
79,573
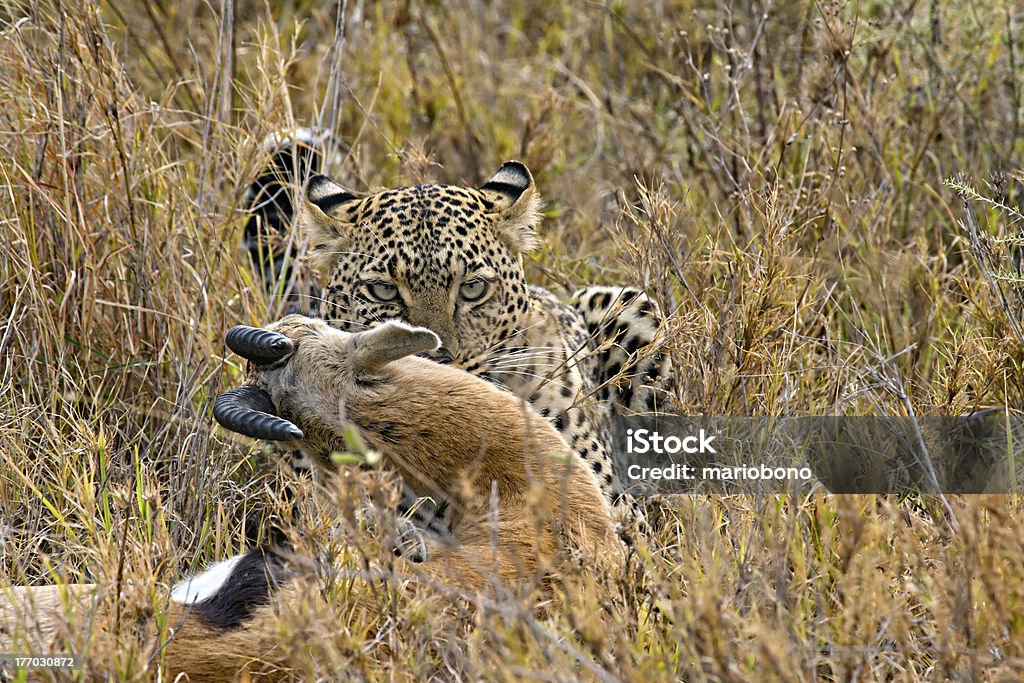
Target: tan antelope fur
x,y
518,505
446,433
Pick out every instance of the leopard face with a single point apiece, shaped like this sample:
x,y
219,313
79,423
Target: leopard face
x,y
442,257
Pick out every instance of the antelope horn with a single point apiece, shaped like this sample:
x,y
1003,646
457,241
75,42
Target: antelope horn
x,y
262,347
249,410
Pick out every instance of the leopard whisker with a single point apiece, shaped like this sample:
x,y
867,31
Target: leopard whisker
x,y
527,363
546,378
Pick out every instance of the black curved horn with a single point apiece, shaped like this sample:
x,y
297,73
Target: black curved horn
x,y
249,410
262,347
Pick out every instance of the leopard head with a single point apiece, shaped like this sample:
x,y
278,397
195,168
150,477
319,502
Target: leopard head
x,y
443,257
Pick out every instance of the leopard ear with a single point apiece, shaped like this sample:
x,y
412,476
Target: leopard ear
x,y
325,221
515,201
327,195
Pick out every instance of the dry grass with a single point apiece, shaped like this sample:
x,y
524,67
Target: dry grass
x,y
774,174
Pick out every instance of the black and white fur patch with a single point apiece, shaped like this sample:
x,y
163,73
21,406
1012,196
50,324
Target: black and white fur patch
x,y
511,180
226,594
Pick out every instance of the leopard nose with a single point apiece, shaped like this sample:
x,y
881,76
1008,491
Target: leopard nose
x,y
440,355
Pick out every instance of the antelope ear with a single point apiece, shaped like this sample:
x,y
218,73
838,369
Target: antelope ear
x,y
325,221
393,340
516,204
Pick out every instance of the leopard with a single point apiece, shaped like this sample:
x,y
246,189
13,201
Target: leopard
x,y
450,258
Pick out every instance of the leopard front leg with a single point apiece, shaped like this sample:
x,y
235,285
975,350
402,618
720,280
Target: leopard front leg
x,y
629,370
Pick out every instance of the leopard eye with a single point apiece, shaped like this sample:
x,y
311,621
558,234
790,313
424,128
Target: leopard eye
x,y
384,292
473,290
